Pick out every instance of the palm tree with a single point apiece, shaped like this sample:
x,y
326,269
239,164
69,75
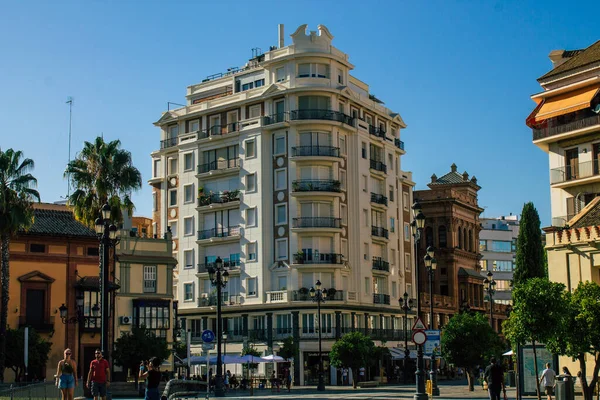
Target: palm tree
x,y
102,173
16,213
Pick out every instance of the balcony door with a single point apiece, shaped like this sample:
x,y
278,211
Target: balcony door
x,y
36,305
596,160
315,139
314,103
571,164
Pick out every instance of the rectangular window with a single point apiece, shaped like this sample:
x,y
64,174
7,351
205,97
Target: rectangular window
x,y
251,217
343,148
188,257
366,251
367,285
254,111
284,324
149,278
407,262
281,246
172,166
251,251
251,286
153,315
340,77
503,265
390,162
250,148
345,250
513,245
188,194
173,226
251,183
154,201
344,214
342,179
365,183
281,214
194,125
172,197
308,323
280,74
188,161
320,70
482,245
156,168
392,224
393,257
501,246
37,248
188,291
391,191
279,145
303,70
247,86
363,150
259,83
405,201
406,232
188,226
280,179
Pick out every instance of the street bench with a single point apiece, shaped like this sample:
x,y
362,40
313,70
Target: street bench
x,y
368,384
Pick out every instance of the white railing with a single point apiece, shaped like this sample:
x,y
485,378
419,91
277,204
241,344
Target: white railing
x,y
277,296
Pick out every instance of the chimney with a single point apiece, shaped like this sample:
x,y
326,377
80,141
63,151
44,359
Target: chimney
x,y
556,56
453,167
280,42
433,178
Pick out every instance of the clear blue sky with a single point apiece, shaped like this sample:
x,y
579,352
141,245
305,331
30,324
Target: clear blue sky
x,y
460,74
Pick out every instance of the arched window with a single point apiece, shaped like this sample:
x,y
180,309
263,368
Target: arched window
x,y
428,236
442,240
471,244
460,238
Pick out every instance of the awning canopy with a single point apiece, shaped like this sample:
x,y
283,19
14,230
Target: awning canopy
x,y
566,103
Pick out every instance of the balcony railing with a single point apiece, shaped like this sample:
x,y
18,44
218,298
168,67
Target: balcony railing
x,y
379,199
380,232
276,118
316,222
218,198
378,166
40,325
399,144
220,164
564,128
315,151
299,295
170,142
572,172
381,298
561,221
277,296
327,115
218,130
380,265
221,232
318,258
375,131
438,300
202,268
316,185
226,300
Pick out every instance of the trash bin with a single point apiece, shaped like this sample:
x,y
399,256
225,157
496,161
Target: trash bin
x,y
565,389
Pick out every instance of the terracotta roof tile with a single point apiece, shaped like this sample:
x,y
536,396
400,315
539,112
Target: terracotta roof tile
x,y
52,222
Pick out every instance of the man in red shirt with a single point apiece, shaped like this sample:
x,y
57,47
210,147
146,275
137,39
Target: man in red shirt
x,y
98,376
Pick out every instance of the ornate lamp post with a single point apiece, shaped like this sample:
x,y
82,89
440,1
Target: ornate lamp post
x,y
406,306
79,317
490,289
319,297
225,351
417,229
431,264
108,235
218,277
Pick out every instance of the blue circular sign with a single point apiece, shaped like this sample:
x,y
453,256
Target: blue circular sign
x,y
208,336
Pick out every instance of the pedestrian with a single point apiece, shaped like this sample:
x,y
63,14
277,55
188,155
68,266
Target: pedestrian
x,y
98,379
566,374
153,376
66,376
344,376
547,380
494,377
361,373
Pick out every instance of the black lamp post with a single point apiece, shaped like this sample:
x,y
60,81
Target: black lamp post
x,y
80,317
219,277
490,289
319,296
417,229
406,306
107,234
225,351
431,264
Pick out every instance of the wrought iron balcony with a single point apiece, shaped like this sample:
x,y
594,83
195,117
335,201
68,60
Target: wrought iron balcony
x,y
399,143
218,198
218,165
221,232
327,115
555,127
375,131
230,265
170,142
379,199
381,298
315,151
276,118
304,295
218,130
575,171
316,185
316,222
378,166
318,258
380,232
380,265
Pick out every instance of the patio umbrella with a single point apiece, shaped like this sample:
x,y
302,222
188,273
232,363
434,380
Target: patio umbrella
x,y
273,358
508,353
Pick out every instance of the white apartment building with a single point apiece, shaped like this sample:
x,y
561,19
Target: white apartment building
x,y
289,170
498,248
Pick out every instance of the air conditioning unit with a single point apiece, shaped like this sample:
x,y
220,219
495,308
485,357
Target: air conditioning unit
x,y
126,320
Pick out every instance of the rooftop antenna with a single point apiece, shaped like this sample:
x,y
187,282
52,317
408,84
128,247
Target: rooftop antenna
x,y
70,103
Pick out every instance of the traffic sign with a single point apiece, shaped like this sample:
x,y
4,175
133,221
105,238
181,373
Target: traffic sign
x,y
433,342
418,325
419,337
208,336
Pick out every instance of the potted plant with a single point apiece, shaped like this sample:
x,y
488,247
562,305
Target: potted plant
x,y
303,290
331,292
299,257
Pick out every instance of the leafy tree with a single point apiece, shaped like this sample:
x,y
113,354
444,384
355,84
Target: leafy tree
x,y
354,350
15,358
580,334
289,348
17,194
101,173
530,258
537,316
253,351
137,345
468,341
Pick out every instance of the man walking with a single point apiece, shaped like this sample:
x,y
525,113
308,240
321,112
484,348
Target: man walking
x,y
494,376
547,380
99,376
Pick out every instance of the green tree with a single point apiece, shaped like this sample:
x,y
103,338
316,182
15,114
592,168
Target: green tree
x,y
538,312
530,258
353,350
101,173
580,334
137,345
15,357
289,348
253,351
17,195
469,341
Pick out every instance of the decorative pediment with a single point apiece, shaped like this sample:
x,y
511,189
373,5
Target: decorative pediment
x,y
274,88
36,276
398,119
345,90
167,116
279,265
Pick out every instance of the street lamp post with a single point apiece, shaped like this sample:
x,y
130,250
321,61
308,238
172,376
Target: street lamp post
x,y
490,289
417,229
107,234
218,277
406,305
225,351
319,296
431,265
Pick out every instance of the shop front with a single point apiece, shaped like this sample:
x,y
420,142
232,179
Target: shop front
x,y
311,368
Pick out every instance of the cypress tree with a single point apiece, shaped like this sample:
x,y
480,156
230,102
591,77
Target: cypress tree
x,y
530,259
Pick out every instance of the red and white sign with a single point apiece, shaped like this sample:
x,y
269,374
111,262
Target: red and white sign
x,y
418,325
419,337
